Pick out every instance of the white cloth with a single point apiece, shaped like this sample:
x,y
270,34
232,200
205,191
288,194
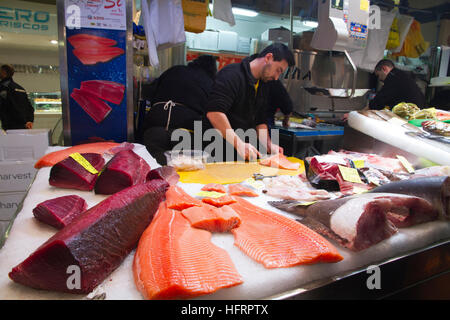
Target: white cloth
x,y
163,25
222,10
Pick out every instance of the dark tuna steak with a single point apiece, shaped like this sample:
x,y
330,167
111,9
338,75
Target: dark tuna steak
x,y
59,212
125,169
96,242
97,109
167,173
69,174
105,90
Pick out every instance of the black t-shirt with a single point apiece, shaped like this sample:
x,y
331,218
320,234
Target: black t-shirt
x,y
234,94
398,87
278,99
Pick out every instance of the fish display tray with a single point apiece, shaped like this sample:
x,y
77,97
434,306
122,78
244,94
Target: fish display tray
x,y
27,234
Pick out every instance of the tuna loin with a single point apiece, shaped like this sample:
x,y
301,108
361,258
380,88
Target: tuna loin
x,y
96,54
97,109
69,174
125,169
59,212
434,189
106,90
167,173
95,243
89,40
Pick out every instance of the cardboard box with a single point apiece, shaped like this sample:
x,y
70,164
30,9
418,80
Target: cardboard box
x,y
24,144
10,202
16,176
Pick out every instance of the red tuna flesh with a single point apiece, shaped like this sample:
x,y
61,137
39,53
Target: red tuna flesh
x,y
97,109
59,212
69,174
93,55
94,244
125,169
106,90
88,40
167,173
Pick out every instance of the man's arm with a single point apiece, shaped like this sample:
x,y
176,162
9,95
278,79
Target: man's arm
x,y
264,139
383,97
220,121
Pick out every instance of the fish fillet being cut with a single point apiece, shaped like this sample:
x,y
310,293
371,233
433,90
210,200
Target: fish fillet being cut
x,y
239,190
94,244
178,199
97,109
175,261
54,157
89,40
167,173
105,90
279,161
277,241
59,212
96,54
70,174
214,187
213,219
218,202
124,170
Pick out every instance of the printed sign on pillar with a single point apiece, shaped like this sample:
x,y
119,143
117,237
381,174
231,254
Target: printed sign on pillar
x,y
96,41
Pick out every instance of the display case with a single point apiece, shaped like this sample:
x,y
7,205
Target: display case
x,y
46,102
48,113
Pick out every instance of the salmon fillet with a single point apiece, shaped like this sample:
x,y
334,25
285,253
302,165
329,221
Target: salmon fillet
x,y
218,202
213,219
175,261
214,187
52,158
178,199
280,161
240,190
277,241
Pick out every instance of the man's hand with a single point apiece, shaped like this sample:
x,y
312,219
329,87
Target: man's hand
x,y
274,149
247,151
29,125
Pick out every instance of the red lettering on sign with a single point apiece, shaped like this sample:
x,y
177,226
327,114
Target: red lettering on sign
x,y
110,6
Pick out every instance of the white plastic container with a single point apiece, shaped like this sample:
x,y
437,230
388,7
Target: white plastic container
x,y
186,160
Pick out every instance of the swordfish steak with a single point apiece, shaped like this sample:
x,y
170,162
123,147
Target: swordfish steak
x,y
96,242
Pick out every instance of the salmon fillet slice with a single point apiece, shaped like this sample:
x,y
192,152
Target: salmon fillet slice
x,y
176,261
280,161
240,190
277,241
218,202
52,158
178,199
214,187
213,219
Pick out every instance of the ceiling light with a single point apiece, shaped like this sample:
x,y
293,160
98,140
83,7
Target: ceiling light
x,y
239,11
1,37
312,24
54,41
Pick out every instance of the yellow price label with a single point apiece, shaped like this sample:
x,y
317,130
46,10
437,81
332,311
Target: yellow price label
x,y
350,174
83,162
358,163
210,194
357,190
255,184
406,164
307,203
364,5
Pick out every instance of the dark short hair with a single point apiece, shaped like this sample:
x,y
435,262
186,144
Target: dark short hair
x,y
384,62
207,63
8,69
280,52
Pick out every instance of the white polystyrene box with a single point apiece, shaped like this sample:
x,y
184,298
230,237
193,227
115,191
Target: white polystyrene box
x,y
24,144
9,203
16,175
228,41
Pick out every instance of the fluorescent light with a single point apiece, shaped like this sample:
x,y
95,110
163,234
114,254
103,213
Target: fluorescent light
x,y
239,11
54,41
312,24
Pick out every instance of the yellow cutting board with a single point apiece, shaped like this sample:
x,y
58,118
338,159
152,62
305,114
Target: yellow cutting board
x,y
235,172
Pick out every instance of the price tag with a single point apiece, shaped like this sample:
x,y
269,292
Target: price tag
x,y
306,203
364,5
359,163
210,194
83,162
358,190
255,184
350,174
406,164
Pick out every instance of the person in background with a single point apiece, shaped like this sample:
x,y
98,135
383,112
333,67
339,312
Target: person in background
x,y
238,99
178,98
278,99
398,87
16,111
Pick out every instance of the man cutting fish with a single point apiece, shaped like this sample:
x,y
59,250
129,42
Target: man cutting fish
x,y
238,99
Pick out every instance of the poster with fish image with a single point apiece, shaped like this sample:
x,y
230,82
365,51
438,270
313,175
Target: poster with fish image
x,y
96,55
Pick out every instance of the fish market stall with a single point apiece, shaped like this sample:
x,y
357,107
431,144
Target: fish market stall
x,y
258,281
